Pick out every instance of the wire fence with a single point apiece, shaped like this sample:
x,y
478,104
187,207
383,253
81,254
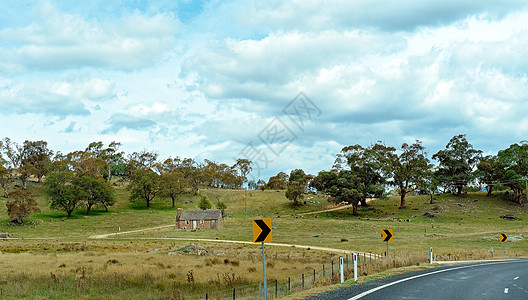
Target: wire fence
x,y
329,273
324,275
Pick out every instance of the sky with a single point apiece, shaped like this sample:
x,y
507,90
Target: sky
x,y
286,84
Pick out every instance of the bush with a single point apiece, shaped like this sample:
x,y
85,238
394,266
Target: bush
x,y
204,203
20,205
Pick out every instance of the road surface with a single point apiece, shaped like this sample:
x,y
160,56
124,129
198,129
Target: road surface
x,y
486,280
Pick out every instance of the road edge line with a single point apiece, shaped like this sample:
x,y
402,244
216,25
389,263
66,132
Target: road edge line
x,y
422,275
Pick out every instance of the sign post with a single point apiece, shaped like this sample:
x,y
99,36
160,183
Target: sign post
x,y
355,266
504,240
341,269
262,234
386,235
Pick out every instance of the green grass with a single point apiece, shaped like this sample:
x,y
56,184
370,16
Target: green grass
x,y
463,227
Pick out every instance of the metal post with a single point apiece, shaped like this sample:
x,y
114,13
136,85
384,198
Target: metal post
x,y
264,274
341,269
314,277
388,253
206,296
289,284
332,268
323,271
276,287
355,267
431,255
260,290
504,248
491,252
234,294
303,280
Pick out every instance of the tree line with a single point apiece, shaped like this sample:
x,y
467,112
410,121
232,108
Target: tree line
x,y
359,172
83,178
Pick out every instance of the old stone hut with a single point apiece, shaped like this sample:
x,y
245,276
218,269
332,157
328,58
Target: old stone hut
x,y
199,219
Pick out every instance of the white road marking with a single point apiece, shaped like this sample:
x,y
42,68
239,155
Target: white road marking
x,y
506,291
516,278
421,275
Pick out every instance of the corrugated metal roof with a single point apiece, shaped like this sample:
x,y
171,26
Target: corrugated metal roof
x,y
189,215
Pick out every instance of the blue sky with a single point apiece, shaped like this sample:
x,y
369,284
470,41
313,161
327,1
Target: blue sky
x,y
222,79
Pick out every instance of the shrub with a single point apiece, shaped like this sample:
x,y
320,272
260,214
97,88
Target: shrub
x,y
204,203
20,205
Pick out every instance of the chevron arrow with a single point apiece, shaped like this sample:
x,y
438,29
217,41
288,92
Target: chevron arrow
x,y
504,237
265,231
388,235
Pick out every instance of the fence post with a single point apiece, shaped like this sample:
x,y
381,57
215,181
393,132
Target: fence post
x,y
289,286
431,255
355,267
234,294
276,287
303,280
314,277
332,275
206,296
323,271
341,273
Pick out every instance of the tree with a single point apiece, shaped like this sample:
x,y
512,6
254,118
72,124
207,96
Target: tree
x,y
95,191
145,160
204,203
221,206
298,175
489,172
457,163
244,168
173,185
86,163
295,192
38,155
62,192
343,186
5,176
278,182
110,155
366,166
192,173
514,162
20,205
9,161
145,185
408,170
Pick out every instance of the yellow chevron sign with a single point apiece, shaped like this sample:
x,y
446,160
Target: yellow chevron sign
x,y
504,237
386,235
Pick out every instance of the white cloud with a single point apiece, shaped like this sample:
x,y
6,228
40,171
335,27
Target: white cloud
x,y
20,99
94,89
63,41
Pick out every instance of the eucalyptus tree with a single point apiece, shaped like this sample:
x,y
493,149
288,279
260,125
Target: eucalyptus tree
x,y
457,163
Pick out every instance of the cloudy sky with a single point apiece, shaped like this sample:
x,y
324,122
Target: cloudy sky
x,y
285,83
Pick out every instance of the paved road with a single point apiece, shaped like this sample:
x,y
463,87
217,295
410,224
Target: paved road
x,y
489,280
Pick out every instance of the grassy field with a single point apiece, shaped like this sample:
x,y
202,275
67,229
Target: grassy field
x,y
53,257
